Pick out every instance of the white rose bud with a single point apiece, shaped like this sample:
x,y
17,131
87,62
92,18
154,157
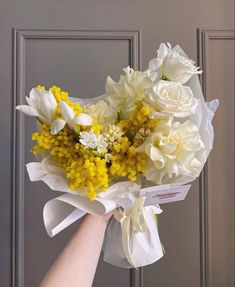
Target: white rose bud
x,y
172,66
172,98
178,68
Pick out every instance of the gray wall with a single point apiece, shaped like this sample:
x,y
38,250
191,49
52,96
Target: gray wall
x,y
76,44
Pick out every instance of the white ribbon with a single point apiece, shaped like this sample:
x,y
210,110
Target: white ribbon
x,y
132,238
131,218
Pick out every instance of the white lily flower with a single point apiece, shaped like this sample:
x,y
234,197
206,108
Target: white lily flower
x,y
41,104
71,119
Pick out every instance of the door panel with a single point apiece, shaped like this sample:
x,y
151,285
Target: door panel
x,y
58,58
217,59
76,44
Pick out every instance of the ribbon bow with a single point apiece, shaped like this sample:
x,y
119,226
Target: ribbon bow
x,y
131,219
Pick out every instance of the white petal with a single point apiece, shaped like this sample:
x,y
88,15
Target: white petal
x,y
27,110
52,99
44,103
173,168
84,120
35,96
57,126
154,64
31,103
67,112
109,85
163,50
154,174
155,155
42,119
46,110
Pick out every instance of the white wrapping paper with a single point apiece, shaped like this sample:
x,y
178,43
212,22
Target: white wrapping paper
x,y
132,238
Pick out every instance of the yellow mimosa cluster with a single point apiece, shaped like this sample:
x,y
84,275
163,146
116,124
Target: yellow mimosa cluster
x,y
84,171
126,162
139,119
87,172
64,96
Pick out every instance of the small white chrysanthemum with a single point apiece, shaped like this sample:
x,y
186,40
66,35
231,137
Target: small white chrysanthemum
x,y
88,139
101,145
92,141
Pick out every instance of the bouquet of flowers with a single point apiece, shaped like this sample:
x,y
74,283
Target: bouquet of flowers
x,y
126,151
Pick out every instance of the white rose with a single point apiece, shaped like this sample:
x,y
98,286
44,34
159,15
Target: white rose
x,y
172,98
128,90
174,151
178,68
104,113
173,66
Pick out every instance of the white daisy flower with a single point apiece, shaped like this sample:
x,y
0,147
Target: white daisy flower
x,y
88,139
92,141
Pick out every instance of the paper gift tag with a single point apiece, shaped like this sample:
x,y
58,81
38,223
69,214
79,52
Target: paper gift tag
x,y
165,194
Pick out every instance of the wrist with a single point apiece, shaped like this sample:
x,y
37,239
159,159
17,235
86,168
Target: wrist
x,y
98,220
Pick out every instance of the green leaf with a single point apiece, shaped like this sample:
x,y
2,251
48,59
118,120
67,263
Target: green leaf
x,y
119,118
165,78
76,134
130,135
95,152
39,120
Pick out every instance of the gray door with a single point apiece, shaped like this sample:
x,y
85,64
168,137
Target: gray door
x,y
76,44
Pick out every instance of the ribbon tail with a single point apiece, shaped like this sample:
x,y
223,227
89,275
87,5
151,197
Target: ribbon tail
x,y
126,240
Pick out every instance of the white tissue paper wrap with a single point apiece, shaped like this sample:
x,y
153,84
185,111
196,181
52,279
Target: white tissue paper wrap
x,y
132,238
